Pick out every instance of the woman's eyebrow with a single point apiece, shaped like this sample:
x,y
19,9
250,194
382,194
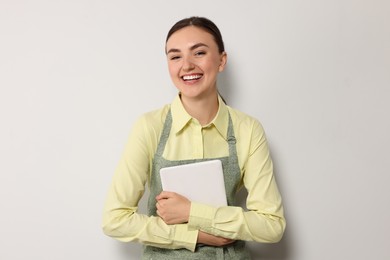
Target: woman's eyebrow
x,y
173,50
198,45
193,47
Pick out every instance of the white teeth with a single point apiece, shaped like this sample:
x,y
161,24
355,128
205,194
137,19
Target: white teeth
x,y
192,77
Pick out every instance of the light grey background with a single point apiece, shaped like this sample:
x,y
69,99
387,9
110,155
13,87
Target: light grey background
x,y
75,75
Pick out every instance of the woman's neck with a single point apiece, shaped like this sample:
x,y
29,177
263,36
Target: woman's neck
x,y
203,109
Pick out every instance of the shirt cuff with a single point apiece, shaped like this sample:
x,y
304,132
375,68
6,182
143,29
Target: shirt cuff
x,y
201,217
185,238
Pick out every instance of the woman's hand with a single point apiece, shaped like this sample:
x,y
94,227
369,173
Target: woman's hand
x,y
211,240
173,208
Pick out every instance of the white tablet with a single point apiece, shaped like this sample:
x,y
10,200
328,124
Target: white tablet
x,y
200,182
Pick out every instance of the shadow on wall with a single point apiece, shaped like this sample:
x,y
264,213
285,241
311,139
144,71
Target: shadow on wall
x,y
226,85
279,251
130,251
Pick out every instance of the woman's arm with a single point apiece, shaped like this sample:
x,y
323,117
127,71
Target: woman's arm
x,y
264,220
175,209
211,240
120,219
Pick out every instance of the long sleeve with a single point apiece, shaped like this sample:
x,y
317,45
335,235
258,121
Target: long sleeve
x,y
264,220
120,218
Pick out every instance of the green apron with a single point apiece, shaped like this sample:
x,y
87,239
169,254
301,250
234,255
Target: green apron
x,y
232,175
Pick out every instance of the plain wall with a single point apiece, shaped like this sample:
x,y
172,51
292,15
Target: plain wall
x,y
75,75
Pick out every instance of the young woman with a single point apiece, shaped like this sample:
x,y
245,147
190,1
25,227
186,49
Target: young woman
x,y
196,126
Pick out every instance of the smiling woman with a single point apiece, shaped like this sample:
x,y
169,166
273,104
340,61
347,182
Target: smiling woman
x,y
197,126
194,62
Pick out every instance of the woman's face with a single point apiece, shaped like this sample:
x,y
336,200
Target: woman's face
x,y
194,62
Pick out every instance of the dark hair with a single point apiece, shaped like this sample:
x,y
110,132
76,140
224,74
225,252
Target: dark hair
x,y
202,23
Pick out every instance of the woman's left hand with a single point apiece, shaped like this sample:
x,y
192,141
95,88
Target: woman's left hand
x,y
173,208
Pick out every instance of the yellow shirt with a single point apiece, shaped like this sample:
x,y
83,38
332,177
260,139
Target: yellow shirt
x,y
262,222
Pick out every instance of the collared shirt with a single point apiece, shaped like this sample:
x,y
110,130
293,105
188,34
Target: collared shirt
x,y
263,221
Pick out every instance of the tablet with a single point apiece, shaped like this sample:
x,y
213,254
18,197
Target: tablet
x,y
200,182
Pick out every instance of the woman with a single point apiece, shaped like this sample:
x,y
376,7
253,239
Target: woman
x,y
196,126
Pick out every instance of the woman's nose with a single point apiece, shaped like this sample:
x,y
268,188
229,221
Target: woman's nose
x,y
188,65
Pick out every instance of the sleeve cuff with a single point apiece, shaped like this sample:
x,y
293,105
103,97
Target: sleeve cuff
x,y
185,238
201,217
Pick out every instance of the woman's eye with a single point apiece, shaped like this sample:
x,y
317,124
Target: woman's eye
x,y
200,53
174,57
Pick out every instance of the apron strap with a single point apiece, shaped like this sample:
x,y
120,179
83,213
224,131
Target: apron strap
x,y
164,135
231,139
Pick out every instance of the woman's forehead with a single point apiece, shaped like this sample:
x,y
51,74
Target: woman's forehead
x,y
189,36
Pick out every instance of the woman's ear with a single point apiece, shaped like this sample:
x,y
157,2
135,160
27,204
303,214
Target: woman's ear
x,y
223,61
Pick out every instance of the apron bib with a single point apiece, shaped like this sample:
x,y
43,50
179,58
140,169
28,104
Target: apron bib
x,y
232,177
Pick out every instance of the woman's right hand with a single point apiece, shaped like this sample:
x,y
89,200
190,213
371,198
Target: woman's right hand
x,y
211,240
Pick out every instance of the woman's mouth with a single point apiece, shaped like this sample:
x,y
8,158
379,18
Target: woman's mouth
x,y
192,77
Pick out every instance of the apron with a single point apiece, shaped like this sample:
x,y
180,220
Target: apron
x,y
232,176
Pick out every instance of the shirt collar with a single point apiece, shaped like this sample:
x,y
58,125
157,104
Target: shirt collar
x,y
180,117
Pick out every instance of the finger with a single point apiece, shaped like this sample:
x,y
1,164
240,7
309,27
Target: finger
x,y
165,195
228,241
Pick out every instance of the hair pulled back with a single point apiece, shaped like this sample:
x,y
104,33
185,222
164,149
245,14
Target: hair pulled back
x,y
202,23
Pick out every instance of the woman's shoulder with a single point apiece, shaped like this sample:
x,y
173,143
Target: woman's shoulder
x,y
248,130
153,120
157,115
242,120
